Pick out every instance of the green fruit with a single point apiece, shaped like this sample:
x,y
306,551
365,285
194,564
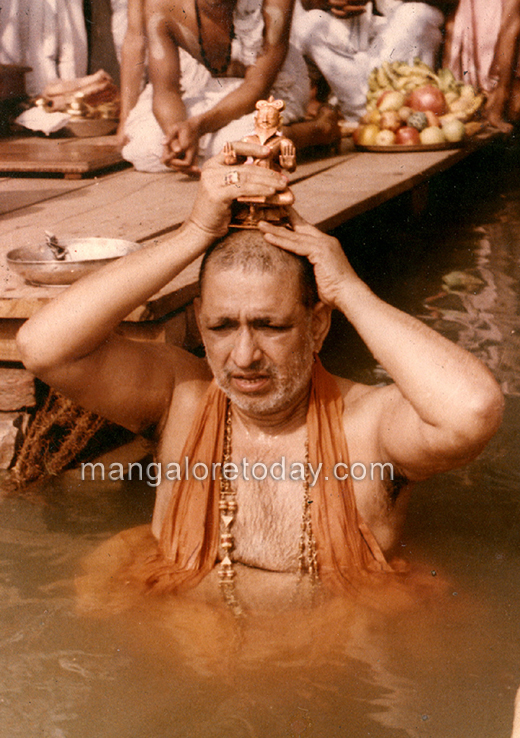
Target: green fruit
x,y
432,135
417,120
454,130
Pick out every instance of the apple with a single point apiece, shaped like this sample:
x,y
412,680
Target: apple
x,y
432,135
408,136
390,100
390,119
386,137
366,135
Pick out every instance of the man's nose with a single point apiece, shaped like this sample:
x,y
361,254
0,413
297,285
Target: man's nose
x,y
245,348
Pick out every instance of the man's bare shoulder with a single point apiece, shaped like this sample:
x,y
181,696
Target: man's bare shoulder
x,y
357,394
367,402
189,367
192,378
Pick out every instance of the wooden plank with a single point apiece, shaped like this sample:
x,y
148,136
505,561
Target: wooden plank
x,y
141,206
8,331
147,204
58,156
366,180
128,204
133,205
18,193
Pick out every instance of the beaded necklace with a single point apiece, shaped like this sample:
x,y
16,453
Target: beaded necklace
x,y
214,71
307,557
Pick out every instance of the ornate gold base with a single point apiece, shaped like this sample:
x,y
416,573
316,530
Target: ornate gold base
x,y
248,215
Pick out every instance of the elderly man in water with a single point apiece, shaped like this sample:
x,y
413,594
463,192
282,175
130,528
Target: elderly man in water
x,y
281,452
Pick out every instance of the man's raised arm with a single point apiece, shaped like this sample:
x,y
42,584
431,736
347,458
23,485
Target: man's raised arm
x,y
133,58
72,344
165,74
444,406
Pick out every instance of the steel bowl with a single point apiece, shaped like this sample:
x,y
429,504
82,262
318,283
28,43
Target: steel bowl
x,y
39,265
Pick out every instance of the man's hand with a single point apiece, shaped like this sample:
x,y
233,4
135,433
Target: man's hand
x,y
347,8
221,184
331,267
181,148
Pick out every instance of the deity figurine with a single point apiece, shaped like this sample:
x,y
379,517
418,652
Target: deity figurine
x,y
248,211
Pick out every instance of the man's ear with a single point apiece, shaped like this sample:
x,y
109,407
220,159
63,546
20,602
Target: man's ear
x,y
321,317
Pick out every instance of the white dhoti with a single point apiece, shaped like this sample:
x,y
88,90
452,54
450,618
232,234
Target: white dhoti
x,y
50,37
201,92
346,50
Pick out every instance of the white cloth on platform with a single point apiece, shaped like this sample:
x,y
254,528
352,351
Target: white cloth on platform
x,y
47,35
347,49
201,92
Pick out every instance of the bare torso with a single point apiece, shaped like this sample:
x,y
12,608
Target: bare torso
x,y
267,525
181,21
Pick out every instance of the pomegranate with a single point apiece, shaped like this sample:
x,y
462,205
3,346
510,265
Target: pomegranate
x,y
426,98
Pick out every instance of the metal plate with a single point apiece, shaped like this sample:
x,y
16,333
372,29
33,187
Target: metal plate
x,y
399,148
39,266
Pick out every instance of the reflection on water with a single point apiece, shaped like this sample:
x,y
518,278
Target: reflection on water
x,y
448,669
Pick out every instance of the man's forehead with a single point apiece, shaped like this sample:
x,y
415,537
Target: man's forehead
x,y
233,289
252,274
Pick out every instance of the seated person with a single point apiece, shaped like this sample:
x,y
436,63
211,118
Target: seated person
x,y
51,38
208,65
346,39
482,47
261,396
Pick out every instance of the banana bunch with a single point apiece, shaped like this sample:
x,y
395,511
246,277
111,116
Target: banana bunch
x,y
462,100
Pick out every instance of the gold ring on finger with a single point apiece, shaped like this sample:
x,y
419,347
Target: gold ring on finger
x,y
232,177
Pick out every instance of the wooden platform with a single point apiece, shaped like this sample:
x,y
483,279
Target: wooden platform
x,y
146,207
71,157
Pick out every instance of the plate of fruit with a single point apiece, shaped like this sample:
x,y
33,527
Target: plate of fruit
x,y
412,108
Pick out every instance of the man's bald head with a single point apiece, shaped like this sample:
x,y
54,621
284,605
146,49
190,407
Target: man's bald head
x,y
249,251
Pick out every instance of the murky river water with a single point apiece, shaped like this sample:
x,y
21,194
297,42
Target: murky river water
x,y
448,669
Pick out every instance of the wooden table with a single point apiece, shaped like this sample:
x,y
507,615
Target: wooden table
x,y
73,158
147,207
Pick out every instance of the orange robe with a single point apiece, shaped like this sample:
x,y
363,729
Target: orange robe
x,y
188,547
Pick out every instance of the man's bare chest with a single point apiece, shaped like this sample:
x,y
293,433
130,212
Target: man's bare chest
x,y
205,36
270,492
